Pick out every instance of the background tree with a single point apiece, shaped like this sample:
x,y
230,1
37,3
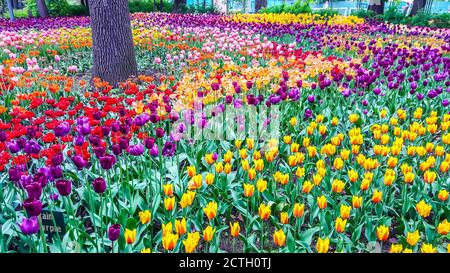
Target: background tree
x,y
259,4
10,9
178,5
42,8
376,6
112,41
417,6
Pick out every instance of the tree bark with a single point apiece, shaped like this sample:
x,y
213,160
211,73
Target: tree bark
x,y
112,41
376,6
178,4
15,4
10,9
259,4
42,8
417,6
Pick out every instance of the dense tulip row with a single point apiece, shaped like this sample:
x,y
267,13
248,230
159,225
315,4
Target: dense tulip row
x,y
361,163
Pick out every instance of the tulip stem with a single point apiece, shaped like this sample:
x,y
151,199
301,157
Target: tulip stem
x,y
101,222
93,218
54,222
262,235
41,228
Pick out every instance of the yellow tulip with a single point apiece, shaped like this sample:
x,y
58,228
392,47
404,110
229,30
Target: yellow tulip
x,y
180,226
261,185
340,225
168,189
322,245
299,209
235,228
412,238
322,202
169,203
169,241
345,211
145,216
428,248
130,236
356,201
210,210
284,218
248,190
423,209
279,238
264,211
208,233
382,233
191,242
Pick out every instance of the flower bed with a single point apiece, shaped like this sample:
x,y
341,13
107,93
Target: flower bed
x,y
350,151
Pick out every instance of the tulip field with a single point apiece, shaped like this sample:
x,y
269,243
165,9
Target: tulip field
x,y
255,133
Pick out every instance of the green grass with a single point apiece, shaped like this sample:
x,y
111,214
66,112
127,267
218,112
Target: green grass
x,y
18,13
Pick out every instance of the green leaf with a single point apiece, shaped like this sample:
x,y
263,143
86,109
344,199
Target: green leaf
x,y
131,223
307,235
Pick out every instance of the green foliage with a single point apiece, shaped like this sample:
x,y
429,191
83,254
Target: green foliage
x,y
327,12
200,9
300,6
77,10
58,7
31,4
149,6
363,13
141,6
393,15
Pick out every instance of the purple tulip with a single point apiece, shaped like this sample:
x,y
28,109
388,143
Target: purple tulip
x,y
62,129
311,98
160,132
154,151
107,161
136,150
64,187
79,162
308,113
78,140
33,206
2,136
13,146
149,142
29,226
99,185
57,159
34,190
14,173
56,171
445,102
115,148
169,148
114,232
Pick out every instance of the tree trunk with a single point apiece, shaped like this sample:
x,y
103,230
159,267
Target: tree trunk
x,y
112,41
161,5
15,4
178,4
417,6
259,4
376,6
30,12
10,9
42,8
